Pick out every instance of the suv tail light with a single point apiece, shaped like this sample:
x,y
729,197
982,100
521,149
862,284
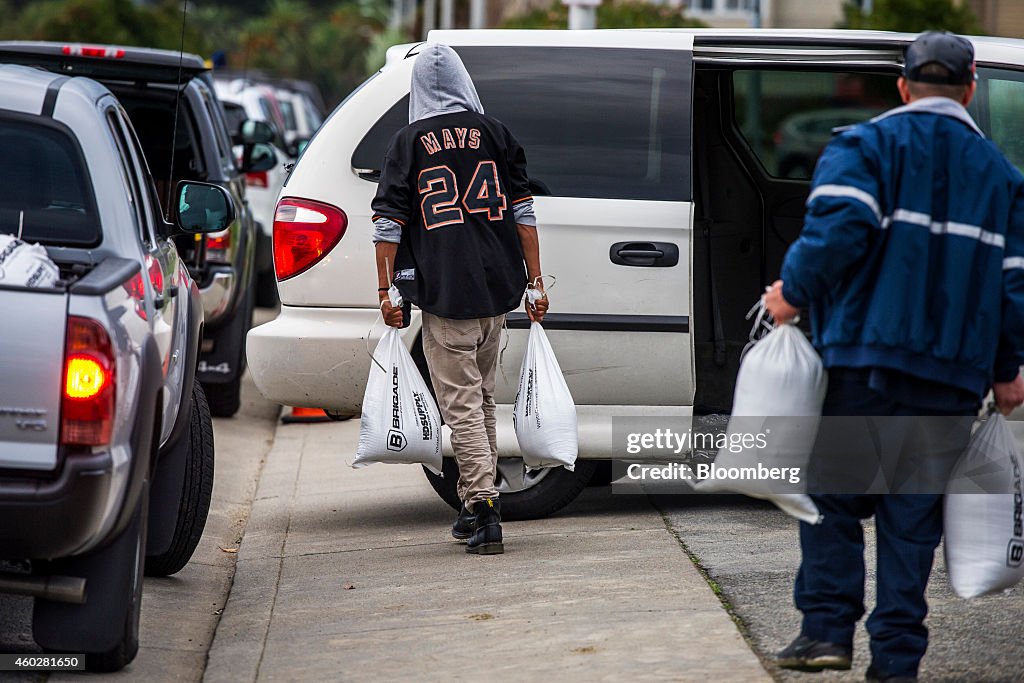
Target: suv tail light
x,y
257,179
87,397
218,247
304,232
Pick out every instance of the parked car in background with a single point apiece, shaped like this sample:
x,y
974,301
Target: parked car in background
x,y
259,102
301,116
106,441
262,186
659,210
802,137
184,138
301,105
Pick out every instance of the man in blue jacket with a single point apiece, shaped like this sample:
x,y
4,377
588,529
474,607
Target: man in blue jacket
x,y
911,262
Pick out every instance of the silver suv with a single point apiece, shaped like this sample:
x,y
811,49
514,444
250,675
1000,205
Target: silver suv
x,y
105,433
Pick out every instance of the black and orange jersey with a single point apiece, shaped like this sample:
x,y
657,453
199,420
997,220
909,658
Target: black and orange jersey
x,y
452,182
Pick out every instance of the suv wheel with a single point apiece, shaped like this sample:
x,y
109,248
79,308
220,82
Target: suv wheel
x,y
225,398
105,627
524,495
196,490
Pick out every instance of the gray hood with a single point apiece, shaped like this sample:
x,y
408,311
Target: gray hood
x,y
440,85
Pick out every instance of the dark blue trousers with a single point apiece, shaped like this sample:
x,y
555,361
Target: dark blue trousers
x,y
829,588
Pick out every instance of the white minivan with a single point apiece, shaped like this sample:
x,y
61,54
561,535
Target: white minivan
x,y
663,203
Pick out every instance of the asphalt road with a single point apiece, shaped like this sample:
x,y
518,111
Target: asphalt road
x,y
750,551
180,613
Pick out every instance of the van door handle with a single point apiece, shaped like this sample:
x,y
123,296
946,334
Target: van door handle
x,y
640,253
644,254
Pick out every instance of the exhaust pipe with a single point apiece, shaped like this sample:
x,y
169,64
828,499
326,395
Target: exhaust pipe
x,y
57,588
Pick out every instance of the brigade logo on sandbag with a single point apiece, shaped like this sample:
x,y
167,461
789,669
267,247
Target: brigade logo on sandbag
x,y
396,406
1015,550
396,440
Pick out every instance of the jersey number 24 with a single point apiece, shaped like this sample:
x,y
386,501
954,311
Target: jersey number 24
x,y
439,192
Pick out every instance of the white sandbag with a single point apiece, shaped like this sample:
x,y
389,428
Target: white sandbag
x,y
544,414
983,521
400,422
25,265
780,377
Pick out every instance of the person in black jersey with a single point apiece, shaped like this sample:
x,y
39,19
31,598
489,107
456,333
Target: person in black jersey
x,y
456,233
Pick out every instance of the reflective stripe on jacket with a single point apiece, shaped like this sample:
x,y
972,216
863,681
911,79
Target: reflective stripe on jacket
x,y
912,251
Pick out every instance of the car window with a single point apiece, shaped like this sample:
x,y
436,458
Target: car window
x,y
220,131
288,112
313,118
151,203
171,147
603,123
787,117
130,175
235,114
44,181
997,108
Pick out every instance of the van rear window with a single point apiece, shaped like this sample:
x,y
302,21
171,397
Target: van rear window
x,y
595,122
44,181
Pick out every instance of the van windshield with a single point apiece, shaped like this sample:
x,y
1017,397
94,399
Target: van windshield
x,y
44,186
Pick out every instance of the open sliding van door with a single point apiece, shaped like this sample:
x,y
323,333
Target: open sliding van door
x,y
765,106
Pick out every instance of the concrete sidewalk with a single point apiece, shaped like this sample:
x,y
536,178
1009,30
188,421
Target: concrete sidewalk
x,y
352,575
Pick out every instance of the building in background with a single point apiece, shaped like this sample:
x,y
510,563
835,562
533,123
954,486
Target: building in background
x,y
999,17
995,17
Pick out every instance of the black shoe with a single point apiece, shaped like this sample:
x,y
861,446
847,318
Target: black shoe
x,y
486,540
465,524
804,654
873,675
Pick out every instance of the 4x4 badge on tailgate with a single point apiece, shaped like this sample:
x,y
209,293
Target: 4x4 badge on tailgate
x,y
26,418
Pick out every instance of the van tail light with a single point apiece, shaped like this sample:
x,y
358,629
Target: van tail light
x,y
87,397
257,179
304,233
218,247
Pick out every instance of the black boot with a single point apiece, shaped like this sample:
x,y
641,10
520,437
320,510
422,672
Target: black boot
x,y
486,540
465,524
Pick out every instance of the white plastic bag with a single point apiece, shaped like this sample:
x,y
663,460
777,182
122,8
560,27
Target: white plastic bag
x,y
25,265
400,421
780,377
544,414
982,518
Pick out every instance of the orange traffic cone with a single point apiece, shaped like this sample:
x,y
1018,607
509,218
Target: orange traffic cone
x,y
305,416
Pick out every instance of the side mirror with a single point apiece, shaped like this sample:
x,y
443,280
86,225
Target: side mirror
x,y
258,157
296,146
255,132
203,208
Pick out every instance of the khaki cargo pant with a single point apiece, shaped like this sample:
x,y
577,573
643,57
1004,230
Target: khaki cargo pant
x,y
462,356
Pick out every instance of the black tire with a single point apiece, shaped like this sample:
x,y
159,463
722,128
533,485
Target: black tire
x,y
266,289
602,474
196,491
108,614
554,491
225,398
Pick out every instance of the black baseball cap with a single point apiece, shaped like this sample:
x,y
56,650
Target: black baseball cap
x,y
943,48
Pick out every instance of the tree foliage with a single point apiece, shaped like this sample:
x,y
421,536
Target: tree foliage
x,y
610,14
328,43
913,16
